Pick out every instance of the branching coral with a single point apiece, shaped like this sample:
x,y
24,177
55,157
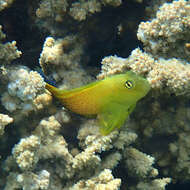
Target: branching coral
x,y
4,120
61,51
78,10
28,180
8,50
59,150
103,181
23,88
51,7
26,152
170,76
47,143
158,184
61,58
168,34
180,150
81,9
139,164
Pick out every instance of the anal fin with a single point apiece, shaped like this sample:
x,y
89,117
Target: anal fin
x,y
112,119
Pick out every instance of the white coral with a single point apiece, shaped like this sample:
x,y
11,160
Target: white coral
x,y
23,89
4,120
25,84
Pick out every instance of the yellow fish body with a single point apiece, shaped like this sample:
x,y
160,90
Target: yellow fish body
x,y
111,99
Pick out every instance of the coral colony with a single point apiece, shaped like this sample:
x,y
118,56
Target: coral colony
x,y
44,146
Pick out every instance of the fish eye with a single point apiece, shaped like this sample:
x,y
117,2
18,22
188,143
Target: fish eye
x,y
128,84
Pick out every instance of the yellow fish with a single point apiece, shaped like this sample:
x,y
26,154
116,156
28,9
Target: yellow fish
x,y
111,99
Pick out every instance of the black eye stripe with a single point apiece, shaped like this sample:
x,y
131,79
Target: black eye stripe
x,y
128,84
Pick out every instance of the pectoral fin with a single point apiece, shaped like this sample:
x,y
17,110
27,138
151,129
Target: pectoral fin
x,y
112,119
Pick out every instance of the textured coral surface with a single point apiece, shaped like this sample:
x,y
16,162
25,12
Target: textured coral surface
x,y
44,146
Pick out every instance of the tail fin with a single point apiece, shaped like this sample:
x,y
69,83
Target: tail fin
x,y
55,91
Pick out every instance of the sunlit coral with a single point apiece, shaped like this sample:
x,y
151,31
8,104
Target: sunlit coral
x,y
103,181
168,33
8,50
47,147
165,75
23,87
4,120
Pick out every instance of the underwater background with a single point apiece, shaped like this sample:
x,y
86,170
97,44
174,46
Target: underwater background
x,y
71,43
